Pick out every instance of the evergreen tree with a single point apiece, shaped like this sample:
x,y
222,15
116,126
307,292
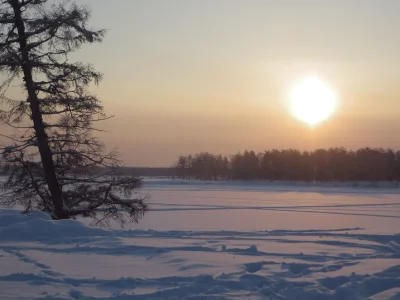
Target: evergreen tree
x,y
53,161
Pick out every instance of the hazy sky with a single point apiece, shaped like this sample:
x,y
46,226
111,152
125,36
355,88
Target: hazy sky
x,y
184,76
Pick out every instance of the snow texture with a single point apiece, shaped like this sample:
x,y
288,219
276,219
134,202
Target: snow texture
x,y
222,241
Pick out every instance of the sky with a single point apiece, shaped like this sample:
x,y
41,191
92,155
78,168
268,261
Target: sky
x,y
184,76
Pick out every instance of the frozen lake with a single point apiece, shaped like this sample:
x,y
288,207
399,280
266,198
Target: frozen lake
x,y
185,205
214,241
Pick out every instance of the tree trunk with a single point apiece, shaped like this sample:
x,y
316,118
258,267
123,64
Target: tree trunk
x,y
43,143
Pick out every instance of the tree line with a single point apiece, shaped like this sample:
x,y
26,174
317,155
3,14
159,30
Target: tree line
x,y
334,164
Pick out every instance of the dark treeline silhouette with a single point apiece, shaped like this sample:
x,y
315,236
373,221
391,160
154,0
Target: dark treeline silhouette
x,y
334,164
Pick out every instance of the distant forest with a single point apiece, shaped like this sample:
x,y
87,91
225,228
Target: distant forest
x,y
335,164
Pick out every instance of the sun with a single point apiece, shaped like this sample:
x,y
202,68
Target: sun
x,y
312,101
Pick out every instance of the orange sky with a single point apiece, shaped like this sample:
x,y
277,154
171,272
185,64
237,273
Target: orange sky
x,y
189,76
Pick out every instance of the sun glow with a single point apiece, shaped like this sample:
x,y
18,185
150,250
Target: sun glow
x,y
312,101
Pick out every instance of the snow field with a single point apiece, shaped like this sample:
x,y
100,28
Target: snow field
x,y
203,241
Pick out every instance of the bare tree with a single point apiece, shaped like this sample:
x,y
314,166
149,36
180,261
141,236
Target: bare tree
x,y
53,161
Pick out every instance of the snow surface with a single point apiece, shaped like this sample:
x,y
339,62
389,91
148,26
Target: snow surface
x,y
207,240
